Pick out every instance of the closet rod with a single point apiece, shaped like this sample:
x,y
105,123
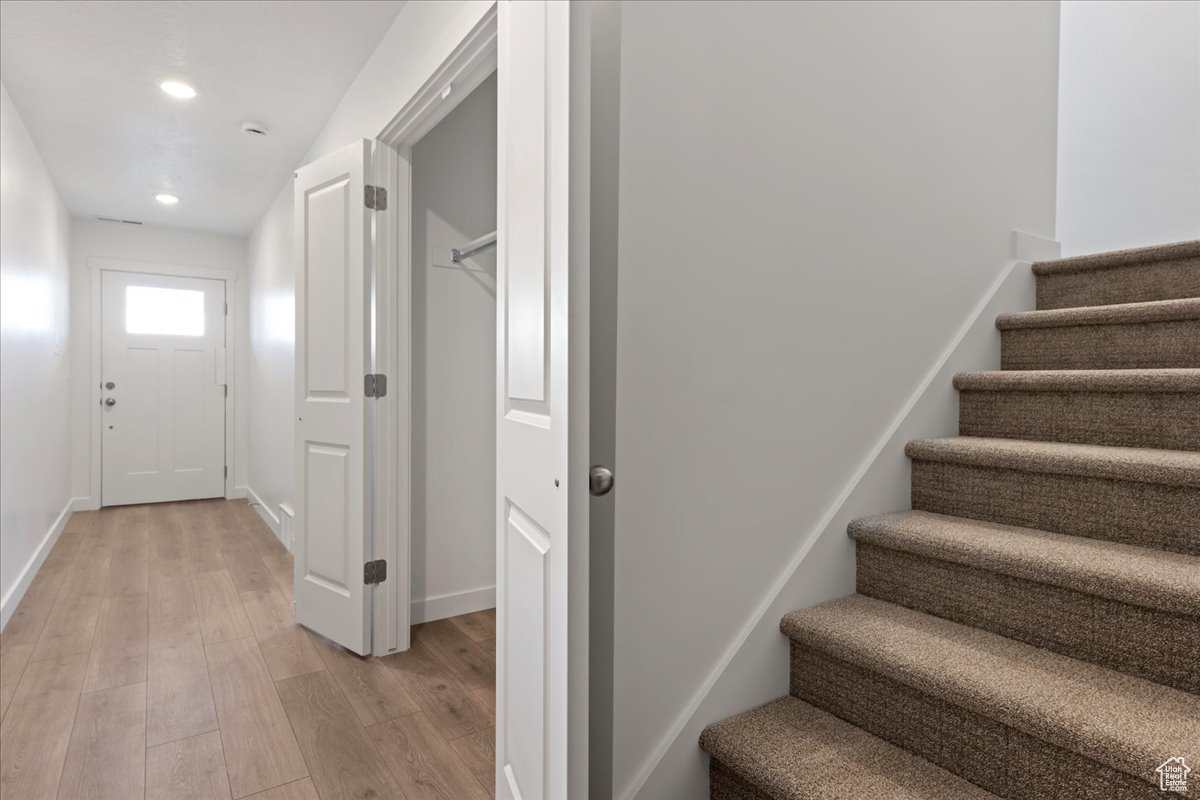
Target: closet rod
x,y
457,254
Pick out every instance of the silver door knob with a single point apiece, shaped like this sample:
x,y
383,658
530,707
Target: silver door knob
x,y
110,401
600,480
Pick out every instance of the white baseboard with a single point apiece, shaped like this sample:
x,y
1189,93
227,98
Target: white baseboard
x,y
286,517
85,504
451,605
237,493
9,604
754,667
270,517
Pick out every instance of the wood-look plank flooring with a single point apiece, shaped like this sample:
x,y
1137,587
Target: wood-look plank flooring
x,y
155,656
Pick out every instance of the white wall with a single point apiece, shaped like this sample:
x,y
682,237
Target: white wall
x,y
454,363
1129,124
272,402
421,37
814,197
35,424
92,238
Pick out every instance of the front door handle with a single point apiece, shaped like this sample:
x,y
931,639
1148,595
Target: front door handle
x,y
110,401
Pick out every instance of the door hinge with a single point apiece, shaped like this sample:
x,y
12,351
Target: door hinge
x,y
226,470
375,571
375,385
225,386
227,309
375,197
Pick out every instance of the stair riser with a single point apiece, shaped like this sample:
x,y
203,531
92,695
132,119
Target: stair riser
x,y
1120,419
725,784
1143,514
1133,283
1149,345
982,750
1116,635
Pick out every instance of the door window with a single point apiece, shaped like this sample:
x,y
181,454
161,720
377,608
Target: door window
x,y
158,311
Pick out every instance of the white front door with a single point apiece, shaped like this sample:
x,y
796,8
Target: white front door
x,y
536,743
332,534
162,388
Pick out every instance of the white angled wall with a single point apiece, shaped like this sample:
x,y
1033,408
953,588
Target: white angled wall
x,y
814,197
92,238
272,307
1129,124
35,381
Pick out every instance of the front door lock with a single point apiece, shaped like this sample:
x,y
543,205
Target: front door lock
x,y
110,386
110,401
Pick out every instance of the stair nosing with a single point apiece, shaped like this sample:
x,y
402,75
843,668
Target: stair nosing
x,y
998,692
1176,251
1114,381
720,740
901,531
1134,464
1146,312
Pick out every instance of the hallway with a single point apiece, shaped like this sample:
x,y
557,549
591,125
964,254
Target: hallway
x,y
155,656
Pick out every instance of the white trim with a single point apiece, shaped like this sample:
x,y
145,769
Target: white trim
x,y
467,66
96,266
156,268
390,602
256,502
85,504
287,519
512,782
11,600
275,521
453,604
1024,246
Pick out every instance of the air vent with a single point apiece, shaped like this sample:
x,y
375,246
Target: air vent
x,y
120,221
255,128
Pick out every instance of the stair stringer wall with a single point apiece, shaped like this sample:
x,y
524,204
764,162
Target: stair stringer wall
x,y
754,667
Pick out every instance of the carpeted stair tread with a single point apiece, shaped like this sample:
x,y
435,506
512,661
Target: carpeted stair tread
x,y
1121,314
1125,276
1142,465
1141,381
1119,258
1155,408
793,751
1127,723
1140,576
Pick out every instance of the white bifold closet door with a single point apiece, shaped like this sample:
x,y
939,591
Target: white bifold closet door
x,y
162,378
332,529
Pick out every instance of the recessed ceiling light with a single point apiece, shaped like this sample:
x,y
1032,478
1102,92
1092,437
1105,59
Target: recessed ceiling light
x,y
166,199
178,89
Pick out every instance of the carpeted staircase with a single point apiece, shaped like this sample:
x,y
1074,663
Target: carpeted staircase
x,y
1031,629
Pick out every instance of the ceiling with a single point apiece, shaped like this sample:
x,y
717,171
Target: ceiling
x,y
84,77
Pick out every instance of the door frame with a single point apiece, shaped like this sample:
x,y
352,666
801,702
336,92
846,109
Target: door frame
x,y
469,64
98,265
472,60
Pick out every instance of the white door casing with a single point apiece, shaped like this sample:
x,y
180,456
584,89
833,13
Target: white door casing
x,y
332,533
163,421
533,479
